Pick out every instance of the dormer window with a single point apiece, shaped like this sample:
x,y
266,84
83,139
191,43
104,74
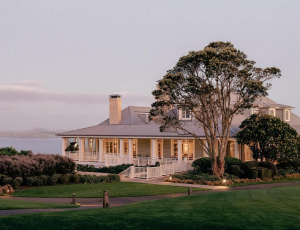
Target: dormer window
x,y
272,112
185,114
287,115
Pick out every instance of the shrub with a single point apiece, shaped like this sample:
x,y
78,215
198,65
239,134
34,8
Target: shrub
x,y
202,165
229,161
29,181
253,174
111,169
247,166
54,179
113,178
65,179
286,171
269,165
75,178
37,181
16,184
44,179
235,170
7,180
35,165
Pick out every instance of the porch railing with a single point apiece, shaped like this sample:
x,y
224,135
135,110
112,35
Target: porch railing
x,y
91,156
73,155
152,172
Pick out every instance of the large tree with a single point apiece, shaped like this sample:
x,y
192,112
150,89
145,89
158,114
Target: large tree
x,y
214,84
269,138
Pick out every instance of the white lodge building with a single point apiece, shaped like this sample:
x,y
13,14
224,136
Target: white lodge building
x,y
129,137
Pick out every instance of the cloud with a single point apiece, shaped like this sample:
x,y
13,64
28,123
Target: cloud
x,y
32,91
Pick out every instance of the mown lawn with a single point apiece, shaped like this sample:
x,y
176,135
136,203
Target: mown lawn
x,y
121,189
7,203
274,208
284,180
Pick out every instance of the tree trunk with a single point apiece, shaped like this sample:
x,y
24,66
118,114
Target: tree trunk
x,y
218,166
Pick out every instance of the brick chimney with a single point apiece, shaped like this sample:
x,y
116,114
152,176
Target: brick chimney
x,y
115,107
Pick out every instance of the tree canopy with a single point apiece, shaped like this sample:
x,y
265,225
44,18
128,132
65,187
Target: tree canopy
x,y
214,84
269,138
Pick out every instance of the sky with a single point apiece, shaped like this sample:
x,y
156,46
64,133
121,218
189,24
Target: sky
x,y
61,59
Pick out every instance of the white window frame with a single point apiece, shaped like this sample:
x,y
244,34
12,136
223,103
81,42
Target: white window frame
x,y
272,112
287,118
253,110
183,114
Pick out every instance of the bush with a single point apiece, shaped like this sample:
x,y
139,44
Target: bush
x,y
35,165
75,178
289,166
229,161
283,172
7,180
253,174
202,165
113,178
65,179
44,179
269,165
37,181
54,179
29,181
247,166
235,170
111,169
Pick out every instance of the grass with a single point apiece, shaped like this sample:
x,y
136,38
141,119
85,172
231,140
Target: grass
x,y
7,203
285,180
274,208
122,189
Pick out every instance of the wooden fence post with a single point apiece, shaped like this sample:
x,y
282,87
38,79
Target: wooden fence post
x,y
105,199
190,191
73,199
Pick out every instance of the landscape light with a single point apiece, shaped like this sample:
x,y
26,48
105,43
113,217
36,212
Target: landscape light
x,y
224,181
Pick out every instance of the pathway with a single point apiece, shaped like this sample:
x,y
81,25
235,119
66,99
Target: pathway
x,y
89,203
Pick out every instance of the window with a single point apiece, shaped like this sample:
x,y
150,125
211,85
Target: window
x,y
186,114
111,146
287,115
253,110
272,112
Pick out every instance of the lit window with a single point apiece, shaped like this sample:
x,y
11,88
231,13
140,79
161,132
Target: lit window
x,y
253,110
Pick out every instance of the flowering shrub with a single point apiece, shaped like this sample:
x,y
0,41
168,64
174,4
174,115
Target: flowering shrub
x,y
35,165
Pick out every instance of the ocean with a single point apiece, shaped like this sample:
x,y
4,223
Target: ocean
x,y
37,145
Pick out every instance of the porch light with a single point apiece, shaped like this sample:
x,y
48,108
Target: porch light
x,y
7,191
170,178
224,181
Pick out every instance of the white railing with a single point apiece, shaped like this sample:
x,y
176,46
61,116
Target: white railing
x,y
73,155
151,172
91,156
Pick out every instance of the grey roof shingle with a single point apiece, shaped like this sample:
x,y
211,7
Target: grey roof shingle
x,y
134,125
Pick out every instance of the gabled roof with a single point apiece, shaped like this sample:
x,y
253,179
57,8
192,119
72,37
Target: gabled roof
x,y
132,115
133,124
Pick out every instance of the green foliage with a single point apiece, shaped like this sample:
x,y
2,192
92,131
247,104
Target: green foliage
x,y
203,82
44,179
65,179
111,169
54,179
35,165
7,180
229,161
73,146
253,174
29,181
17,182
202,165
92,179
269,165
235,170
10,151
269,138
